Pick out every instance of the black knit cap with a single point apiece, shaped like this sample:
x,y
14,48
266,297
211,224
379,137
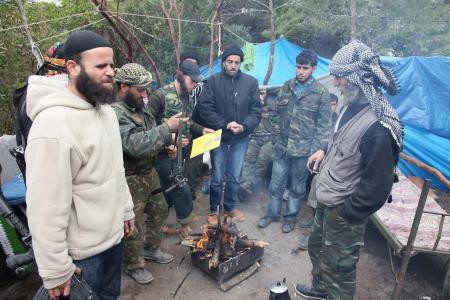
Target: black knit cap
x,y
232,50
83,40
189,54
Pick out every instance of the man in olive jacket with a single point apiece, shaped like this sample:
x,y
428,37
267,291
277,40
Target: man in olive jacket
x,y
304,117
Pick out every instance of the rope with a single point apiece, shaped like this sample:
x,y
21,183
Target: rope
x,y
163,18
235,34
156,38
46,21
51,37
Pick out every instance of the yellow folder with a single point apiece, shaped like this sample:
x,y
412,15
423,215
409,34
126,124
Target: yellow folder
x,y
206,142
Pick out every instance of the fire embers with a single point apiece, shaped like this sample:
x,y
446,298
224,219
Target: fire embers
x,y
219,241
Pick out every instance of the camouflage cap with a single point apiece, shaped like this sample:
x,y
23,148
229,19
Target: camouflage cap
x,y
133,74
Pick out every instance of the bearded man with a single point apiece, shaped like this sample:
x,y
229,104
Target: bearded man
x,y
142,140
357,173
78,204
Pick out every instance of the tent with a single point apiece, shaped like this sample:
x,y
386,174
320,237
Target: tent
x,y
284,63
423,103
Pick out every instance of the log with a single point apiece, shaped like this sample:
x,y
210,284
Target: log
x,y
427,168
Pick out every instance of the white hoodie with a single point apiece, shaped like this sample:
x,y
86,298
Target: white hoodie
x,y
77,195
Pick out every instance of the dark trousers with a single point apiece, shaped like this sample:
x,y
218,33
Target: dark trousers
x,y
333,247
102,272
179,197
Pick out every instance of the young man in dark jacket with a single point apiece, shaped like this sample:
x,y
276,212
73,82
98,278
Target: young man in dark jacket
x,y
230,102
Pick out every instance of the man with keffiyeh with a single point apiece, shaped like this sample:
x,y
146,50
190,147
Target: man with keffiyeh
x,y
357,172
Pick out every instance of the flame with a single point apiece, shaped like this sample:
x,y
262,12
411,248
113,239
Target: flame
x,y
204,240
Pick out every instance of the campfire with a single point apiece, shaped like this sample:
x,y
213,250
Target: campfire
x,y
222,250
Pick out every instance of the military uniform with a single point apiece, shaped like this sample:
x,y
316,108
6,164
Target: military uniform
x,y
260,149
141,141
164,103
304,117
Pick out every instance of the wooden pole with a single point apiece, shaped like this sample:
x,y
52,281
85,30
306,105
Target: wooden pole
x,y
426,167
412,237
34,48
272,43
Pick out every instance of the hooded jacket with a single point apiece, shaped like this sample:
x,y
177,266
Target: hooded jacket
x,y
227,99
77,195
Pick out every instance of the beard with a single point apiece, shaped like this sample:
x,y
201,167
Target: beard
x,y
136,103
352,94
94,92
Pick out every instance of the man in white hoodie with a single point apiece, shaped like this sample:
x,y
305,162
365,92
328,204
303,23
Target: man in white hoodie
x,y
78,203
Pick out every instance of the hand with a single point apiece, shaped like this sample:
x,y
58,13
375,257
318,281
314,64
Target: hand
x,y
207,130
235,127
128,227
184,141
184,231
171,151
314,161
62,289
174,121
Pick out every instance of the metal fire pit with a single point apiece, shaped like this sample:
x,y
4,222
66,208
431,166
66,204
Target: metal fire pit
x,y
231,267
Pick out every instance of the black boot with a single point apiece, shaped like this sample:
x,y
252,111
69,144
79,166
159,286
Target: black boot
x,y
310,292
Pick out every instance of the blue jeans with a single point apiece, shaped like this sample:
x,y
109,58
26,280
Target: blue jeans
x,y
226,161
102,272
285,167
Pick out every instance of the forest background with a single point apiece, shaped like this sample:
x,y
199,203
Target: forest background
x,y
167,27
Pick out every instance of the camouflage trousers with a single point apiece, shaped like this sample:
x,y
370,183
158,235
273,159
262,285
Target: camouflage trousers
x,y
150,213
333,247
256,164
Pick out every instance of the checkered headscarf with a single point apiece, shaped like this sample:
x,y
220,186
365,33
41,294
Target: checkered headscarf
x,y
358,64
133,74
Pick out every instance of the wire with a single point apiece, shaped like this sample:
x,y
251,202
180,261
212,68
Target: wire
x,y
46,21
66,32
164,18
156,38
235,34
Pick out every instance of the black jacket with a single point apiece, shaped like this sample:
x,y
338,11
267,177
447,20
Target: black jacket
x,y
227,99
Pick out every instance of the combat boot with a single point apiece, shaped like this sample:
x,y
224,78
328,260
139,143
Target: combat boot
x,y
158,256
140,275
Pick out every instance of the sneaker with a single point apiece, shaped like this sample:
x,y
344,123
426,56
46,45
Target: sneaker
x,y
306,222
235,214
140,275
243,194
158,256
288,226
310,292
264,221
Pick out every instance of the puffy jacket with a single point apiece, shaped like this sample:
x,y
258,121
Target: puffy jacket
x,y
226,99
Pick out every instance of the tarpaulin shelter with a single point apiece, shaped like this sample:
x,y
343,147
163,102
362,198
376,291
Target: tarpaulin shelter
x,y
423,103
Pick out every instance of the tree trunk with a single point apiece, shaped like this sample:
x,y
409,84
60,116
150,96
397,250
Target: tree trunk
x,y
272,43
353,18
176,37
211,49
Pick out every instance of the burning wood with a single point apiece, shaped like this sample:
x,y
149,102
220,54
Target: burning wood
x,y
220,241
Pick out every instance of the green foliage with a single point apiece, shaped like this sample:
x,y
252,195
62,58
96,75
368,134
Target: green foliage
x,y
400,28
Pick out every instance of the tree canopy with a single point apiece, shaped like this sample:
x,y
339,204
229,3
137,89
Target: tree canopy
x,y
396,28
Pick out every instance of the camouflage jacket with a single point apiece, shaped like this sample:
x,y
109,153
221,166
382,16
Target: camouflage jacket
x,y
266,129
165,102
141,138
305,121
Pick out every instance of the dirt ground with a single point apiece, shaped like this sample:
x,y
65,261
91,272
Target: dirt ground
x,y
181,280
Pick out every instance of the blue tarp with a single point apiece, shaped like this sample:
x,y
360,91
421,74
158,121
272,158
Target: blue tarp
x,y
424,99
423,104
284,63
14,190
